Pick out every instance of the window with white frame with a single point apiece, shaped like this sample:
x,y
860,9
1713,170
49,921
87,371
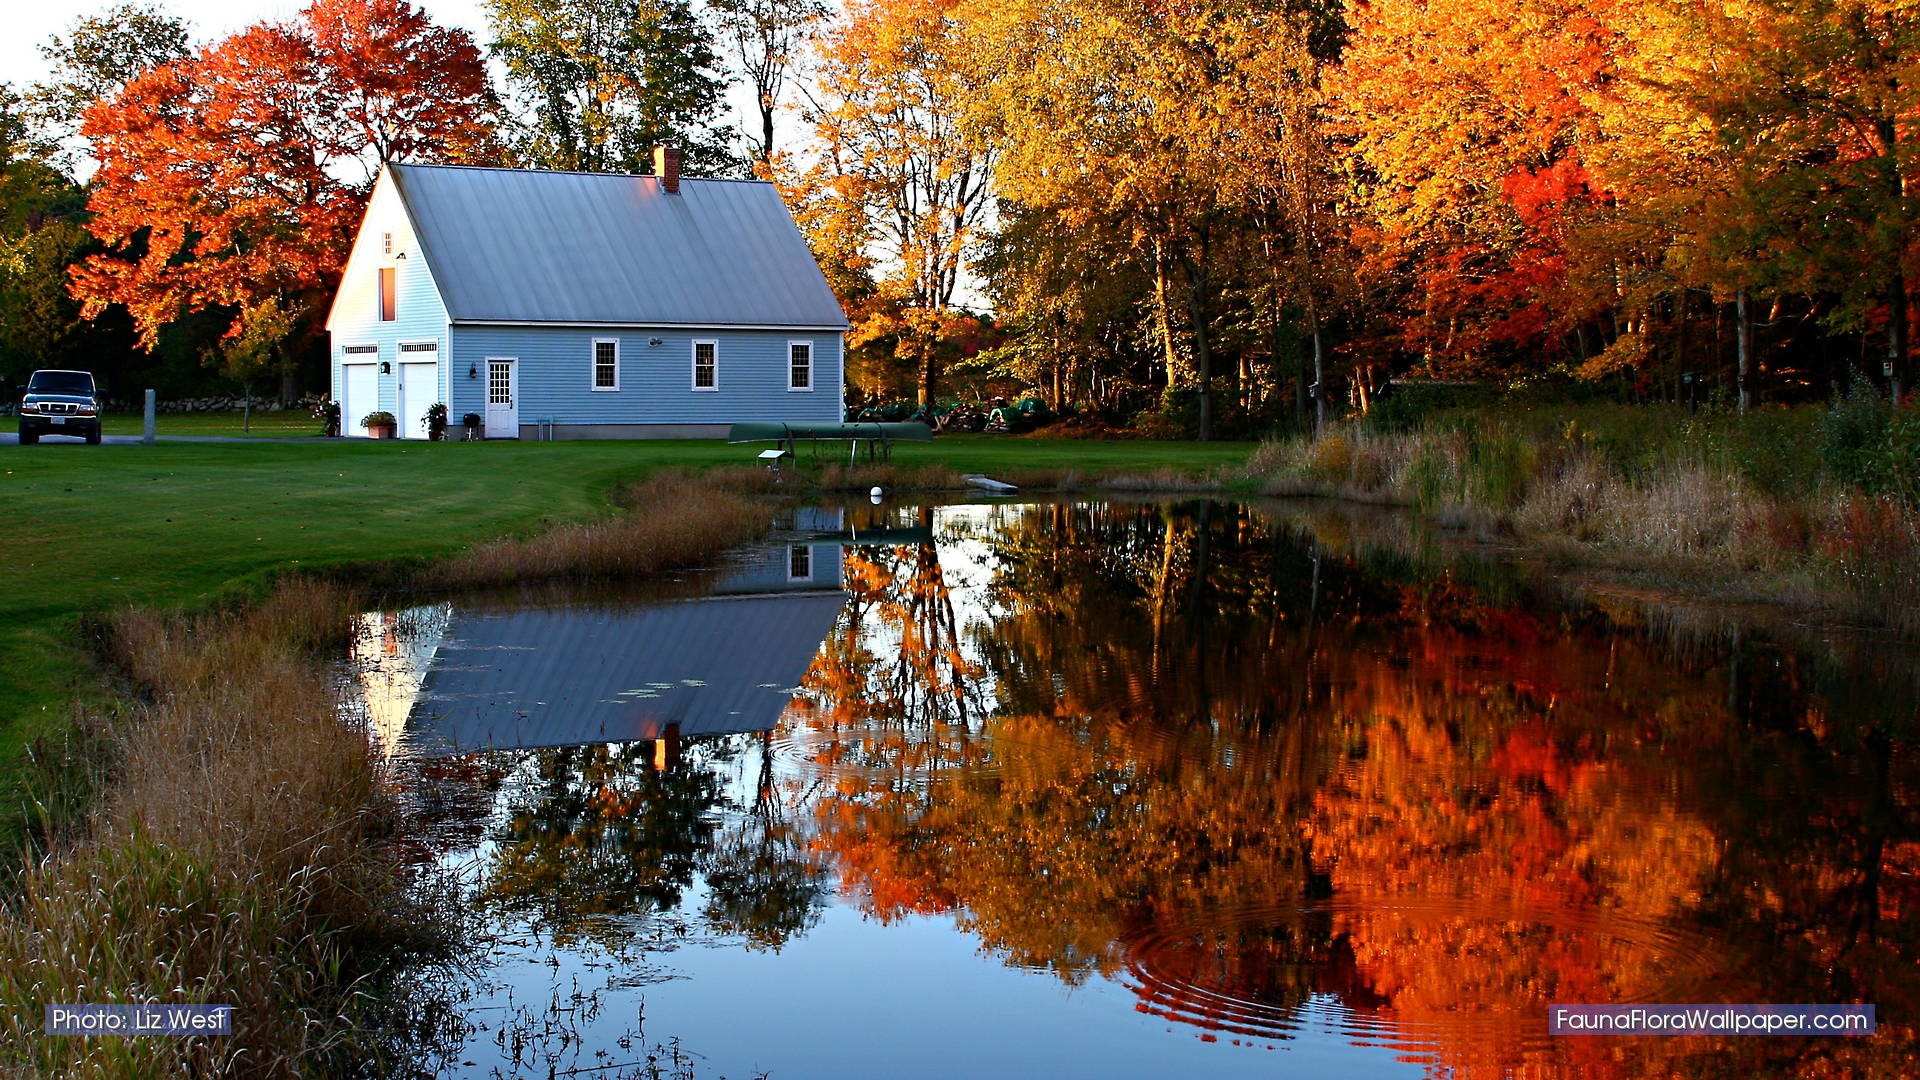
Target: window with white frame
x,y
799,563
799,365
606,364
706,365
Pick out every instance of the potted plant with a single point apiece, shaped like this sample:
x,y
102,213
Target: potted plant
x,y
328,413
436,419
379,425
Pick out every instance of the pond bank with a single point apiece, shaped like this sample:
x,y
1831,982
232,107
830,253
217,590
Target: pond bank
x,y
241,842
1681,524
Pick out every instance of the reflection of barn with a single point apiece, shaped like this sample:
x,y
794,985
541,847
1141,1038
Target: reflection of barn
x,y
564,676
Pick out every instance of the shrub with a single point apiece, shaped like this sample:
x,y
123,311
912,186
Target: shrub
x,y
1411,404
1330,459
328,413
378,419
1871,542
1853,435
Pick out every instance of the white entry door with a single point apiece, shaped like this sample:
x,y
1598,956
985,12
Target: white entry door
x,y
359,395
419,388
503,398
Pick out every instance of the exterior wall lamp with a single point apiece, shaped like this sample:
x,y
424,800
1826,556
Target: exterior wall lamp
x,y
473,371
386,368
654,343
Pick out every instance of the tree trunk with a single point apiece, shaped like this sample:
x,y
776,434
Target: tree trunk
x,y
1319,364
1163,318
1299,370
929,373
1743,348
1202,349
1682,332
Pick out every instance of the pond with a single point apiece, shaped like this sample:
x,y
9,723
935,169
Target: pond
x,y
1133,789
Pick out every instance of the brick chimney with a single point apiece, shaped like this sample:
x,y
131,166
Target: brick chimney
x,y
666,166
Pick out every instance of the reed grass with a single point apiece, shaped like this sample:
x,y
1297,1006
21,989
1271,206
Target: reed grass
x,y
1710,507
673,519
238,854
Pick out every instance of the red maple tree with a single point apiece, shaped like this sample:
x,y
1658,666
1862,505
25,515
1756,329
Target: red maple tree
x,y
233,180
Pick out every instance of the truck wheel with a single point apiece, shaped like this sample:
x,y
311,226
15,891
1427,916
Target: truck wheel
x,y
93,437
28,438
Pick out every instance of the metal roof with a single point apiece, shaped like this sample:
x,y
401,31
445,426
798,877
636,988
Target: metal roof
x,y
532,246
567,677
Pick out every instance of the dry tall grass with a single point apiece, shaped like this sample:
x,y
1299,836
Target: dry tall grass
x,y
236,856
674,519
1859,553
241,851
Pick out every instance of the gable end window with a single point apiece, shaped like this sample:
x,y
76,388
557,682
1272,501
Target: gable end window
x,y
386,243
387,297
606,364
706,365
800,365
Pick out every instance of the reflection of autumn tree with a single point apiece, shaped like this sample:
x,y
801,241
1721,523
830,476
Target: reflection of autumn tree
x,y
1231,772
1107,784
1528,814
892,677
907,658
596,831
761,884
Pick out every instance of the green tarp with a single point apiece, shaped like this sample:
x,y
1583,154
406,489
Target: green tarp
x,y
776,432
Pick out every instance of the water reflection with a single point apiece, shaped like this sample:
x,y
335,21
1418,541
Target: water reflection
x,y
1201,768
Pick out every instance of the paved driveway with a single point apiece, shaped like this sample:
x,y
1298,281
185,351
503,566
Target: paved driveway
x,y
10,438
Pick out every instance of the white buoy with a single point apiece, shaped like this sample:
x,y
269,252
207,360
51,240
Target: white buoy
x,y
876,492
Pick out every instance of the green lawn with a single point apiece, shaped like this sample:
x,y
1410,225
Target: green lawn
x,y
287,424
94,528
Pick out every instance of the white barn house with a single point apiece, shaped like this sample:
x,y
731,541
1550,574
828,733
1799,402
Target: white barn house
x,y
583,305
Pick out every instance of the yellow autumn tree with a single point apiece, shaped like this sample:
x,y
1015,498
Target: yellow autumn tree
x,y
893,184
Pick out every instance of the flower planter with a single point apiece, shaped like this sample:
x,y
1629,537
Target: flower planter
x,y
380,425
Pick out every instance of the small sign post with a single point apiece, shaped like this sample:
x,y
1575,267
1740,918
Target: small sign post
x,y
147,430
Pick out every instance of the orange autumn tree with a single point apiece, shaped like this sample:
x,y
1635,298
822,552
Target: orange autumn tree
x,y
232,181
1472,120
895,190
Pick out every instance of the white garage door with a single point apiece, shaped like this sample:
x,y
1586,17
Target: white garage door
x,y
419,389
359,395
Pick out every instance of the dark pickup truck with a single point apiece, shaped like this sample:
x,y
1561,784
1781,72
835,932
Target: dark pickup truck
x,y
60,403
